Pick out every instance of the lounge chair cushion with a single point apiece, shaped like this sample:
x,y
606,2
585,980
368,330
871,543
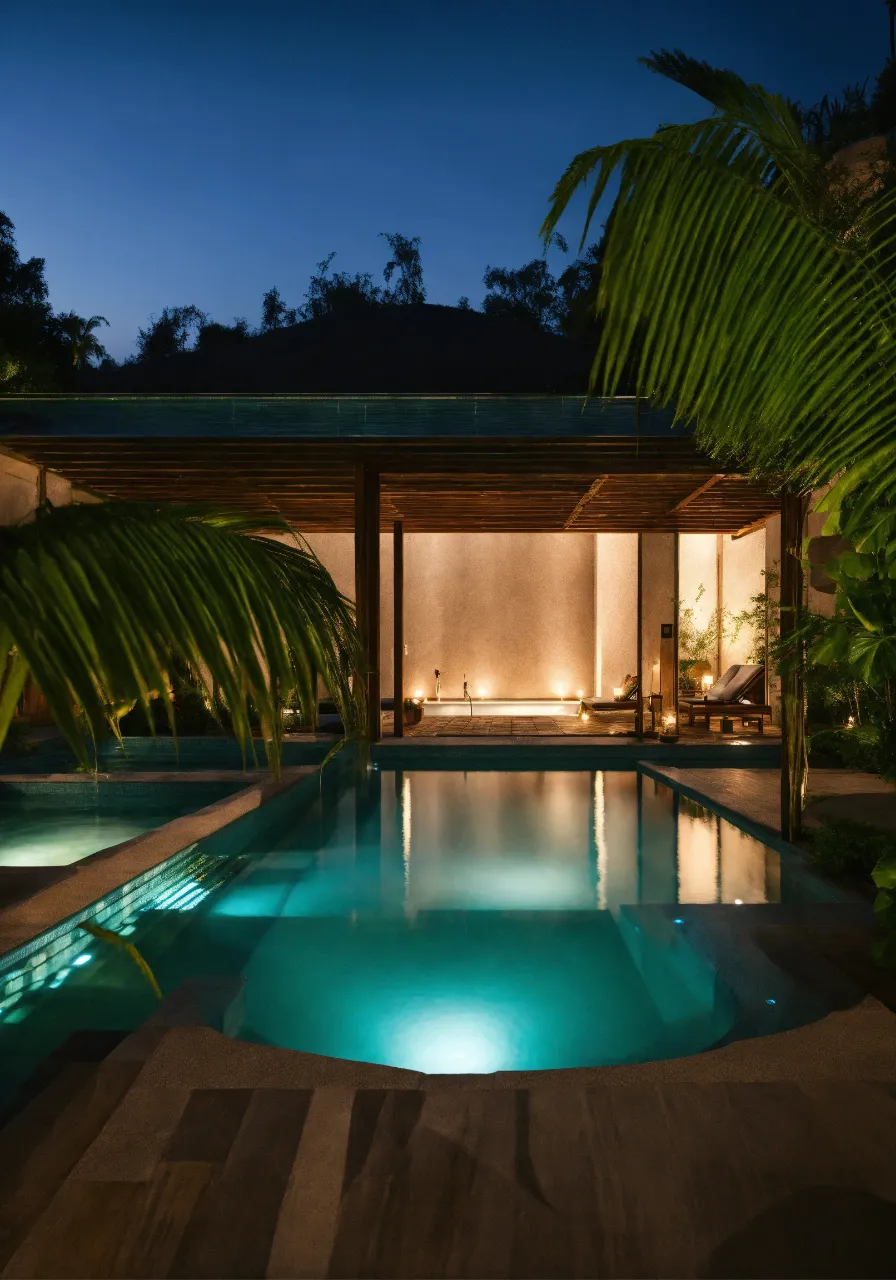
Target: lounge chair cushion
x,y
717,692
739,683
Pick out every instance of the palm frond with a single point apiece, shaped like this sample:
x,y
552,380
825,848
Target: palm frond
x,y
738,300
96,598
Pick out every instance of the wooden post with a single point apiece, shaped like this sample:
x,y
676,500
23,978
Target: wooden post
x,y
720,592
794,761
367,588
676,592
398,627
639,708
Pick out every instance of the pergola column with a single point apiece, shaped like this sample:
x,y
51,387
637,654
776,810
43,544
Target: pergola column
x,y
367,588
398,626
794,762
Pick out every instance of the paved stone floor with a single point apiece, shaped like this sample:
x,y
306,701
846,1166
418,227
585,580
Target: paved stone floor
x,y
756,794
599,724
187,1154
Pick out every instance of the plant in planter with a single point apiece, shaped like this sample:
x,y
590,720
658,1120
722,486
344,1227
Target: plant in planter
x,y
413,711
697,645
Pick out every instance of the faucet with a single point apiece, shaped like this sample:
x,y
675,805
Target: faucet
x,y
467,697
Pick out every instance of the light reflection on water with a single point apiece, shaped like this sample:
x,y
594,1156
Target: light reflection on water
x,y
482,921
445,921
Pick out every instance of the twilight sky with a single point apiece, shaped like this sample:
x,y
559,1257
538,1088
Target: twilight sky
x,y
162,152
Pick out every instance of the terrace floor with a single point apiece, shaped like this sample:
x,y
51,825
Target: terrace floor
x,y
186,1154
599,724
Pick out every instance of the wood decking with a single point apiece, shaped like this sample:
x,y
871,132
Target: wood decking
x,y
215,1159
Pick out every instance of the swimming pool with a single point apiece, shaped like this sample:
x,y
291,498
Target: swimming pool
x,y
55,824
441,920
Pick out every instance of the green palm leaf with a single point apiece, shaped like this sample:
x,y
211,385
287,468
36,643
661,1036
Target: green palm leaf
x,y
745,286
94,600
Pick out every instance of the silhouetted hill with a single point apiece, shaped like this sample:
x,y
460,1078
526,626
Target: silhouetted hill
x,y
398,349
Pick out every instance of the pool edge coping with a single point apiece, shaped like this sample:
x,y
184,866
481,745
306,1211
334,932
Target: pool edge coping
x,y
115,866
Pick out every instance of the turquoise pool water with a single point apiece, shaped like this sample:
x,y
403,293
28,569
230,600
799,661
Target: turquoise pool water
x,y
439,920
57,824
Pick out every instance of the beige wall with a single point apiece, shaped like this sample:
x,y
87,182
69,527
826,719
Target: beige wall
x,y
698,567
19,489
616,586
514,611
658,570
743,560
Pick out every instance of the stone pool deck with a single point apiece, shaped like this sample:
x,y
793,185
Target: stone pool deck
x,y
755,794
185,1153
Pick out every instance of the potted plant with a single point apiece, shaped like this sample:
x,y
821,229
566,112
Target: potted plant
x,y
413,711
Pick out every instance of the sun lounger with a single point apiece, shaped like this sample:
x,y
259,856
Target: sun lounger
x,y
728,697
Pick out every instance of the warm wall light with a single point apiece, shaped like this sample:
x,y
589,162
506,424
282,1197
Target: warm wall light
x,y
580,693
560,691
482,693
707,683
418,693
617,693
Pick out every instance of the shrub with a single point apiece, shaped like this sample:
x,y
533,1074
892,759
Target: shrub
x,y
851,850
861,747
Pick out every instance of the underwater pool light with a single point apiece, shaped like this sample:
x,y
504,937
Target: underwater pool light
x,y
770,1001
678,920
84,958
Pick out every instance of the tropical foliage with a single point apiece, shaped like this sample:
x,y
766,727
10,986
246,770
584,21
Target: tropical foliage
x,y
748,280
38,349
100,603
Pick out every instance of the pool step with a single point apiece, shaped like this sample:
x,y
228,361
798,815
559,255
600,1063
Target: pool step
x,y
44,1139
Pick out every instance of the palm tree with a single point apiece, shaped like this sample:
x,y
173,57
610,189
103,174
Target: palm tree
x,y
98,601
85,345
746,280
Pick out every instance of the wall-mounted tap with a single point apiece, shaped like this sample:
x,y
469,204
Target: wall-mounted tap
x,y
467,697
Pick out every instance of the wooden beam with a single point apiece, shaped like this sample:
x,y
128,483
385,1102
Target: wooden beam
x,y
794,763
582,503
639,707
398,626
367,588
703,488
750,528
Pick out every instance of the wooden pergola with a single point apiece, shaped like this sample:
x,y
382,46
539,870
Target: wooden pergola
x,y
399,464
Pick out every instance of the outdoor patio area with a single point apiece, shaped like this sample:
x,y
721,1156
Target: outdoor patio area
x,y
599,724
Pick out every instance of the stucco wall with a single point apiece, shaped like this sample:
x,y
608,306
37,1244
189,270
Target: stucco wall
x,y
743,560
19,488
657,552
514,611
698,567
616,653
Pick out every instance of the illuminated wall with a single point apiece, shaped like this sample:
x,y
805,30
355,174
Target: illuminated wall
x,y
616,578
514,611
743,560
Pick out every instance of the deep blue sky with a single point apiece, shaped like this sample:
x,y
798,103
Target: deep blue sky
x,y
201,151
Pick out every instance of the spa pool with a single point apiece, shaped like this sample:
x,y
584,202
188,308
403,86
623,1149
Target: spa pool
x,y
53,824
439,920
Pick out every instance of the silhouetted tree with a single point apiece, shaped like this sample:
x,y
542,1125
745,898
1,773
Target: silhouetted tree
x,y
211,334
275,314
81,336
463,303
32,354
530,294
406,261
339,293
169,333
